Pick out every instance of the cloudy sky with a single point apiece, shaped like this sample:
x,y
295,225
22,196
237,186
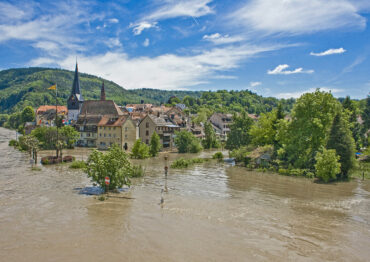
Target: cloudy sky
x,y
279,48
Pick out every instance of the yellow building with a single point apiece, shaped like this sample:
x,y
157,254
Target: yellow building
x,y
116,130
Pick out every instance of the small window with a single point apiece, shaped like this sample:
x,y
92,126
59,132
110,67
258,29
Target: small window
x,y
110,135
126,128
100,135
147,141
147,124
147,132
109,128
104,128
125,136
114,135
104,135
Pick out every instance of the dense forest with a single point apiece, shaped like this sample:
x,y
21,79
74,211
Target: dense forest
x,y
28,87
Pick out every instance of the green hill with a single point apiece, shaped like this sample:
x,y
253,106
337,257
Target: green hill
x,y
28,86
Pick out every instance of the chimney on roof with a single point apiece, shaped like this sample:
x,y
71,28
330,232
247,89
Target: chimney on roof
x,y
102,93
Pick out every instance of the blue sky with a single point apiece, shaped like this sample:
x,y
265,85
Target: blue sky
x,y
279,48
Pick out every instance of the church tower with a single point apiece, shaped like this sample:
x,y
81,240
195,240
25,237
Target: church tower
x,y
75,100
102,93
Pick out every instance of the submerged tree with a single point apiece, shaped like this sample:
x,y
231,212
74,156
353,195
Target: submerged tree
x,y
210,140
114,164
140,150
155,144
186,142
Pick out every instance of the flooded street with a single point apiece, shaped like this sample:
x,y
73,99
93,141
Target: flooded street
x,y
211,212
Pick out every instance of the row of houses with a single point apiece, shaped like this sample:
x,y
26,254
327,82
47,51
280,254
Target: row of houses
x,y
102,123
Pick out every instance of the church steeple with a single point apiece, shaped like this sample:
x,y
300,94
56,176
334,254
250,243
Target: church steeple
x,y
76,85
102,93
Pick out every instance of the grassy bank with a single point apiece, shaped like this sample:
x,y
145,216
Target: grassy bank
x,y
361,168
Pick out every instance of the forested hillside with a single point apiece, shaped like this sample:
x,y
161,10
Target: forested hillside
x,y
28,86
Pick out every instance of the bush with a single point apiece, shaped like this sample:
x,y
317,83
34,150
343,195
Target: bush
x,y
138,171
78,165
327,165
241,155
184,163
140,150
13,142
48,160
113,164
186,142
218,155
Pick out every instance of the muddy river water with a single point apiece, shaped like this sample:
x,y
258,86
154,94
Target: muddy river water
x,y
211,212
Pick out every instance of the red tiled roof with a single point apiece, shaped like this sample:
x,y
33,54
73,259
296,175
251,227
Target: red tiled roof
x,y
43,109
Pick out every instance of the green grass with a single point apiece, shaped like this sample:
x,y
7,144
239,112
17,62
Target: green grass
x,y
138,171
36,168
361,168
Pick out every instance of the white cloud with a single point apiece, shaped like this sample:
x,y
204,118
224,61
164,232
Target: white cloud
x,y
140,27
113,20
329,52
254,84
172,9
8,11
168,71
297,94
113,42
298,16
359,60
219,39
281,70
50,32
180,8
146,42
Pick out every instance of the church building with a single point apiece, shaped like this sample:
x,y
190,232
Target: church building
x,y
75,100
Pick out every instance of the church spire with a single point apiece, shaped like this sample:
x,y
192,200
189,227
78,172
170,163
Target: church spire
x,y
76,84
102,92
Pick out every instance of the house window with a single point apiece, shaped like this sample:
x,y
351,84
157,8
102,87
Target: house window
x,y
104,135
110,135
109,128
147,132
100,135
125,128
114,135
147,141
104,128
147,125
125,136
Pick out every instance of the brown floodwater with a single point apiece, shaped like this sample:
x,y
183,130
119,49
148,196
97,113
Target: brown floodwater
x,y
211,212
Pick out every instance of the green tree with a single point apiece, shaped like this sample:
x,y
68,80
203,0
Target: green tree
x,y
140,150
155,144
69,135
366,114
341,140
210,140
308,131
239,131
186,142
113,164
263,131
3,119
28,115
327,165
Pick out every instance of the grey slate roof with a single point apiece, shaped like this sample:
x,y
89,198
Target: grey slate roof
x,y
99,107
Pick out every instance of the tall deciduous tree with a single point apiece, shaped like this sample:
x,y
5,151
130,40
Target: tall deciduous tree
x,y
140,150
239,131
341,140
366,114
155,144
28,115
308,131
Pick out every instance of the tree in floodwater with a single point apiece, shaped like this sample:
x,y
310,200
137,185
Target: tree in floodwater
x,y
186,142
210,140
114,164
155,144
140,150
327,165
340,139
308,131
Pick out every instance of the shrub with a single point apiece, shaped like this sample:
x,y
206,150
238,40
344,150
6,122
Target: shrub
x,y
184,163
13,142
327,165
186,142
137,171
140,150
218,155
78,164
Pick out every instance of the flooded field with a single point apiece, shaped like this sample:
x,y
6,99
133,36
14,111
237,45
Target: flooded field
x,y
211,212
